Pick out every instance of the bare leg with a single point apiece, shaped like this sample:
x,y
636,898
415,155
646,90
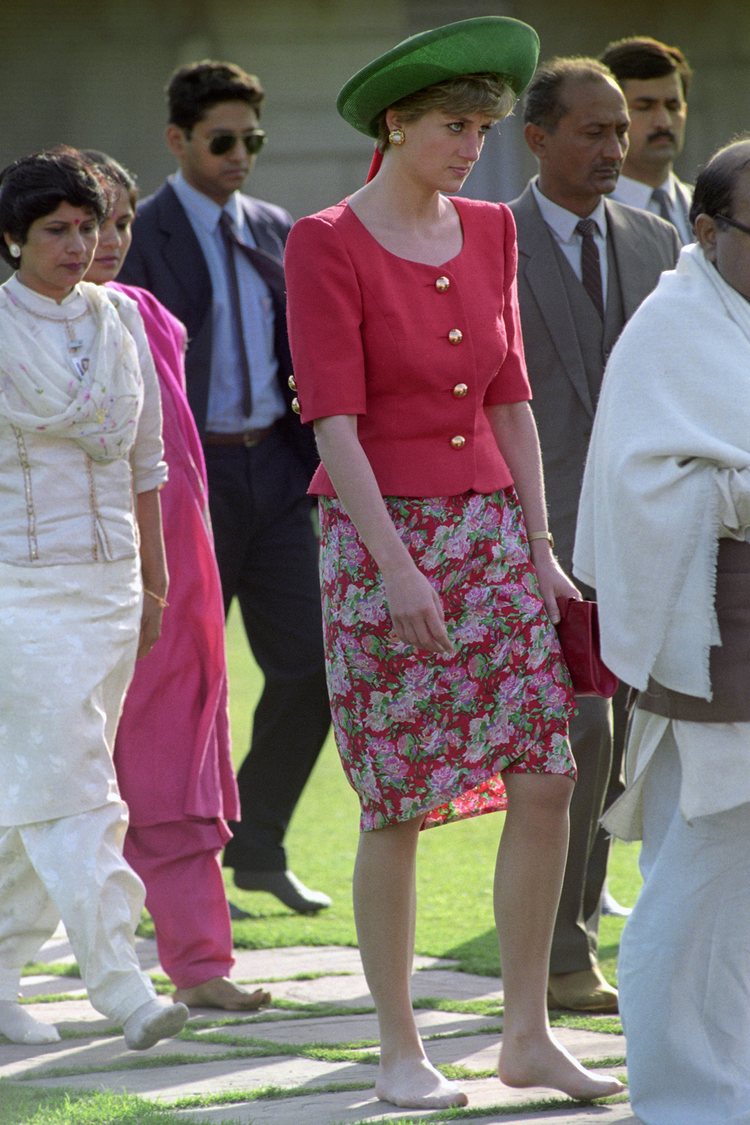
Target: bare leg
x,y
385,909
528,878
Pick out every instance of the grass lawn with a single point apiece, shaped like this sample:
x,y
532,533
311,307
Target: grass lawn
x,y
23,1106
454,875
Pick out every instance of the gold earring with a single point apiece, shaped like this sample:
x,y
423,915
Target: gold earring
x,y
396,137
15,250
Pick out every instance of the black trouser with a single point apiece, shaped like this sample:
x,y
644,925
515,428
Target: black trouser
x,y
268,559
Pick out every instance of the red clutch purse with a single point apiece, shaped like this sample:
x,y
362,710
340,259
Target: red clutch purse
x,y
578,630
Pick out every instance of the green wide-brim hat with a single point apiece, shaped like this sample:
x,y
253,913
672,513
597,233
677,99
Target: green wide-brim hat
x,y
485,45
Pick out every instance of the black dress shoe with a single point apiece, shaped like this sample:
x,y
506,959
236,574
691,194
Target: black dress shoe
x,y
612,908
286,887
236,913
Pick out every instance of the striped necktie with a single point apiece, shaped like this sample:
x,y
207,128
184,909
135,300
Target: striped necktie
x,y
591,274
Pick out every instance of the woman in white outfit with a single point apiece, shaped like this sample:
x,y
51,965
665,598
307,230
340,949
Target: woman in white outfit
x,y
82,590
664,536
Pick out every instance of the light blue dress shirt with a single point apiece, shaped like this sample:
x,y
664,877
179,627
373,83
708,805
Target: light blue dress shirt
x,y
563,223
637,194
225,413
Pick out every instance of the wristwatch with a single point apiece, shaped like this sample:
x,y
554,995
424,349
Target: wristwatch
x,y
542,535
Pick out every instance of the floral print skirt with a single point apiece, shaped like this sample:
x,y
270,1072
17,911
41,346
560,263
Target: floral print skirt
x,y
424,733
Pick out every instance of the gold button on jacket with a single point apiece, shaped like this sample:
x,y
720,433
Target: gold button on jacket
x,y
460,390
455,336
296,406
443,284
291,383
458,442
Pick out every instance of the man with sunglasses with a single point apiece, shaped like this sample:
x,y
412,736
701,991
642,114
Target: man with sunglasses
x,y
213,256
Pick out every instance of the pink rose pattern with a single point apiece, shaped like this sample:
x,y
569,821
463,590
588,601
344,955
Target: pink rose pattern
x,y
422,733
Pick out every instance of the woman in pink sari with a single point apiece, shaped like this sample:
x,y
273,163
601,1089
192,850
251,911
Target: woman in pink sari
x,y
172,753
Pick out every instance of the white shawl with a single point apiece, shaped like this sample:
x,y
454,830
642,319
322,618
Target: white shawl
x,y
668,472
39,392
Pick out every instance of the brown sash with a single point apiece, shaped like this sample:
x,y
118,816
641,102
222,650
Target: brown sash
x,y
730,661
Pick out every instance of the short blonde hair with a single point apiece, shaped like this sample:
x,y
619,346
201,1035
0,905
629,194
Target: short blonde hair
x,y
491,94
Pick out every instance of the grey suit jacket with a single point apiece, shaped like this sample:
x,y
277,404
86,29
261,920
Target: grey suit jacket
x,y
563,406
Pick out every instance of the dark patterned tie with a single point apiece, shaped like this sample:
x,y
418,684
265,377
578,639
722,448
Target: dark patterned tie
x,y
591,274
230,240
660,198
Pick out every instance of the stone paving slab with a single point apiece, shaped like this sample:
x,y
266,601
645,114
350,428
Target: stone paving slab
x,y
352,990
362,1108
480,1052
338,980
267,964
166,1084
252,963
349,1029
16,1061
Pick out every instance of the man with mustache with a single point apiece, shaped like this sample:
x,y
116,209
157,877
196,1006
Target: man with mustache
x,y
654,79
584,266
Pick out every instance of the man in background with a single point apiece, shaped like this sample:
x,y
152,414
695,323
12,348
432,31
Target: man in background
x,y
213,256
654,79
584,266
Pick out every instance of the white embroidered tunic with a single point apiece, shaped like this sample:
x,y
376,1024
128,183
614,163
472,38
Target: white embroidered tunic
x,y
79,434
59,504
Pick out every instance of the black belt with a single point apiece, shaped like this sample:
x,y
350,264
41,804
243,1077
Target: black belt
x,y
248,438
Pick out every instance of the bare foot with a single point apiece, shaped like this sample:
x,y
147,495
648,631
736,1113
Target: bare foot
x,y
545,1062
20,1026
221,992
415,1084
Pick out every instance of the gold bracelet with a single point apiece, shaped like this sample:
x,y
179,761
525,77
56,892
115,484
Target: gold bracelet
x,y
162,602
542,535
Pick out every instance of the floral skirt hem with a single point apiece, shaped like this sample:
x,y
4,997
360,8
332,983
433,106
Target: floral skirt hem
x,y
421,733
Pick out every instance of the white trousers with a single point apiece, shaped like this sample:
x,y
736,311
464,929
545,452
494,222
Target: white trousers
x,y
684,969
72,868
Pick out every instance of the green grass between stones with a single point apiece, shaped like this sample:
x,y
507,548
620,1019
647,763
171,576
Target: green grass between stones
x,y
24,1106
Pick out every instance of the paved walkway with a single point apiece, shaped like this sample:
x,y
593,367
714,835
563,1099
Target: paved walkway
x,y
310,1057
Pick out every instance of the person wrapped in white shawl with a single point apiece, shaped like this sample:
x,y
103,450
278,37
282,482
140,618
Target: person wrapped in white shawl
x,y
667,480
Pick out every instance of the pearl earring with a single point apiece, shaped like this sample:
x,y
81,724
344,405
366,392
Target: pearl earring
x,y
15,250
396,137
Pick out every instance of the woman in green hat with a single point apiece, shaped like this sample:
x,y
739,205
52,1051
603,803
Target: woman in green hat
x,y
448,692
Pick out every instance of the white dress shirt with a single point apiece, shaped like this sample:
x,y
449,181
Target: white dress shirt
x,y
563,224
225,414
637,194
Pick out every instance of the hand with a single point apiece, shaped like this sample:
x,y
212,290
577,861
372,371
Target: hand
x,y
416,610
553,581
151,619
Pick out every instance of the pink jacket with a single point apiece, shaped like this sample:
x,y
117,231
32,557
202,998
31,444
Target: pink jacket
x,y
415,351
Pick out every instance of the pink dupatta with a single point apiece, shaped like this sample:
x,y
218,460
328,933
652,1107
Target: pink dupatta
x,y
173,745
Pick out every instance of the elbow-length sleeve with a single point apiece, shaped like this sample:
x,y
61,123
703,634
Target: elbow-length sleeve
x,y
325,312
511,383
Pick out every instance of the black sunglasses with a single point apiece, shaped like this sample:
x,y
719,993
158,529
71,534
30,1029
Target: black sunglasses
x,y
733,223
225,142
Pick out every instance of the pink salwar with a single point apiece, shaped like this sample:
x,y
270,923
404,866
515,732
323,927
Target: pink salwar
x,y
179,865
